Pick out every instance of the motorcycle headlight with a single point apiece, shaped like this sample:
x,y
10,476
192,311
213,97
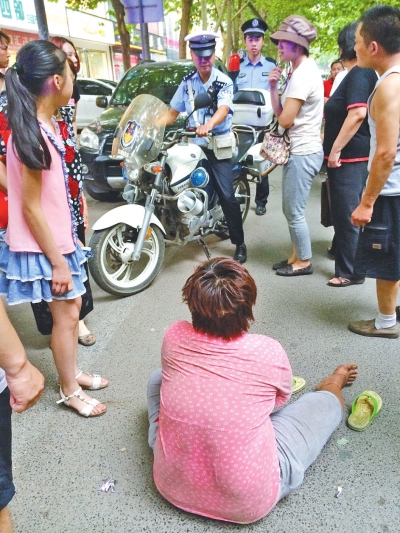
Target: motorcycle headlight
x,y
199,177
89,139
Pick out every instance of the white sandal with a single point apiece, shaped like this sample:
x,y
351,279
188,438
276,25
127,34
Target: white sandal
x,y
87,410
96,383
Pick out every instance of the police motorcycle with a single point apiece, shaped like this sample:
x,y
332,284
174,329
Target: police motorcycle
x,y
170,197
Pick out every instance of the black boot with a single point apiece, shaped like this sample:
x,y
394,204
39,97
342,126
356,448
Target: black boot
x,y
241,253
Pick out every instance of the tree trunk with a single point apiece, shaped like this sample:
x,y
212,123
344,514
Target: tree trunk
x,y
185,25
124,36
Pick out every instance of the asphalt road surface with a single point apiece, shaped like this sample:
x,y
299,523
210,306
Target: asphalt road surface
x,y
61,459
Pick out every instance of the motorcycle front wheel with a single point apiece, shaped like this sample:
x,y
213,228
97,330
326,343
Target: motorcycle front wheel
x,y
111,265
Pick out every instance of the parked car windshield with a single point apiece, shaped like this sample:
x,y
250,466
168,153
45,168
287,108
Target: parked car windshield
x,y
161,82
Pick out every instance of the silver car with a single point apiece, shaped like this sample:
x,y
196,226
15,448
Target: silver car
x,y
89,90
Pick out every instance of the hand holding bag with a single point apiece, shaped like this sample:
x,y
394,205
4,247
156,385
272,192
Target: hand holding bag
x,y
276,146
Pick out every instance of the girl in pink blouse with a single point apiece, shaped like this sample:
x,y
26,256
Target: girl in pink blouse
x,y
41,258
218,449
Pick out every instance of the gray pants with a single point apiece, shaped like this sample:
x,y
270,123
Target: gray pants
x,y
297,177
301,429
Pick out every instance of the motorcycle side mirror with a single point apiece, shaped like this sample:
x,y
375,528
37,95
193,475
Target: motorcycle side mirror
x,y
202,101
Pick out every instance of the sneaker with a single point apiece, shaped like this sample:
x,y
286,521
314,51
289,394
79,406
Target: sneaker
x,y
241,253
368,329
261,210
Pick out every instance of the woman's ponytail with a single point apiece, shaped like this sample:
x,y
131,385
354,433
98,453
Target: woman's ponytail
x,y
25,80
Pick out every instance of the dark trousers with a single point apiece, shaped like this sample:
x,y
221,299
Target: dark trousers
x,y
6,484
346,184
223,182
262,192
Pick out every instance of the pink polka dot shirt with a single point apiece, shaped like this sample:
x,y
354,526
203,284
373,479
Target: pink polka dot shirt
x,y
216,453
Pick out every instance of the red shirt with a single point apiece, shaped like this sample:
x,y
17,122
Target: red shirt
x,y
328,87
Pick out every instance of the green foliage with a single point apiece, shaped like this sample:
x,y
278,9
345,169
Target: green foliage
x,y
329,17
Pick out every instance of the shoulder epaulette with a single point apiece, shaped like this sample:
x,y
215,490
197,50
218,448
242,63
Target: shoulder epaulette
x,y
185,78
271,60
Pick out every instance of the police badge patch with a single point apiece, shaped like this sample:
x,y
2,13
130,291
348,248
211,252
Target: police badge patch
x,y
128,137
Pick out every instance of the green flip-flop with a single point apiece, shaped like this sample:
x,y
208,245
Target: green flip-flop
x,y
364,409
298,384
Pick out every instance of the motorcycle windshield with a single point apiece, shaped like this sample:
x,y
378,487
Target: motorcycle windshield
x,y
139,135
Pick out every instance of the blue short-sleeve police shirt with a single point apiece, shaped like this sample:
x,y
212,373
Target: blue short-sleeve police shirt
x,y
254,76
180,101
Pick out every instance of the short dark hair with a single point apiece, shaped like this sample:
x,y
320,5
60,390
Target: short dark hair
x,y
220,295
347,40
382,24
5,37
335,62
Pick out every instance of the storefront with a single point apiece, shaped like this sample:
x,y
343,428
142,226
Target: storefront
x,y
156,45
18,20
92,37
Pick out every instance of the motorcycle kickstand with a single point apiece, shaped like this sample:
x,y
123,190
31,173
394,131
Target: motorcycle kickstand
x,y
205,247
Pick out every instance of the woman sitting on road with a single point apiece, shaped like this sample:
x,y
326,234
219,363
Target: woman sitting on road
x,y
218,450
299,109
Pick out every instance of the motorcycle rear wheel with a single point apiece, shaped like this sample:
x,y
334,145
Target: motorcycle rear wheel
x,y
241,188
125,278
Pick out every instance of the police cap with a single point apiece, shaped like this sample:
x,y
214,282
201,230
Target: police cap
x,y
254,27
202,42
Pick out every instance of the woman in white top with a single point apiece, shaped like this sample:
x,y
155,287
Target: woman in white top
x,y
299,109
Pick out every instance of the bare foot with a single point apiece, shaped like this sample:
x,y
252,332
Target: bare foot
x,y
342,376
298,264
338,281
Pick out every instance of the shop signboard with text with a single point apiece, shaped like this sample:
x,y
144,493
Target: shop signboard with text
x,y
90,28
21,15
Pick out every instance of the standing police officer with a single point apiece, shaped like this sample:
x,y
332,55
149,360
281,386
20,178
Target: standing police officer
x,y
254,70
217,119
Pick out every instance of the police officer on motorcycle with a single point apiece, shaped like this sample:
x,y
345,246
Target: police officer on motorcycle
x,y
216,119
254,70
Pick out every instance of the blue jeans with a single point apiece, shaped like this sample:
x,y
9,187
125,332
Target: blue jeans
x,y
297,177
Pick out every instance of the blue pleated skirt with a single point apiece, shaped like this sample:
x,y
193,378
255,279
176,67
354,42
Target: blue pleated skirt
x,y
26,276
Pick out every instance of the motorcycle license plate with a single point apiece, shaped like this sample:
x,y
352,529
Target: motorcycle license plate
x,y
148,234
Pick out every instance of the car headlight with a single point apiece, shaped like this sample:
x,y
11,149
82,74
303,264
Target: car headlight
x,y
89,139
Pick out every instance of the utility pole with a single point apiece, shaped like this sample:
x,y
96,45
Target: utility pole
x,y
228,30
41,20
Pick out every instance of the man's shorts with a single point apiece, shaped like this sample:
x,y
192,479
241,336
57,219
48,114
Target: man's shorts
x,y
378,251
7,490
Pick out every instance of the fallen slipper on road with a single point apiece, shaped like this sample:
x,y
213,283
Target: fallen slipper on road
x,y
364,409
